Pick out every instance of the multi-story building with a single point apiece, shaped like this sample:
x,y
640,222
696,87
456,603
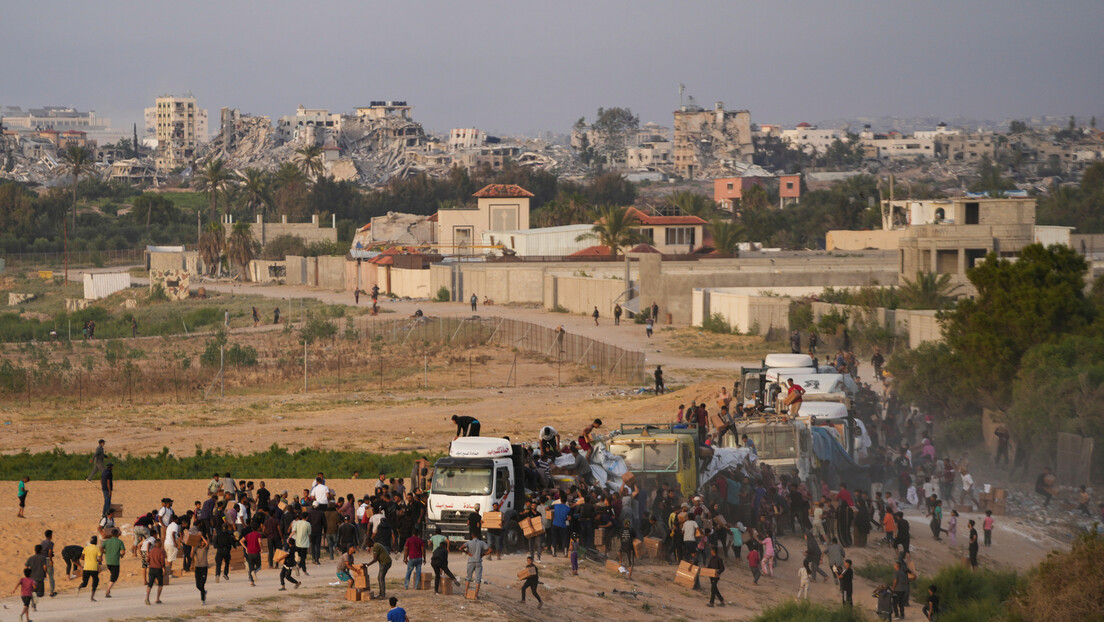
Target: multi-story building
x,y
53,117
703,137
466,138
499,207
895,146
305,125
179,127
649,156
811,139
951,236
968,148
381,109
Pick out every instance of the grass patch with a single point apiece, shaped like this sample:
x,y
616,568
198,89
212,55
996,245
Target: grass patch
x,y
876,572
275,462
703,344
805,611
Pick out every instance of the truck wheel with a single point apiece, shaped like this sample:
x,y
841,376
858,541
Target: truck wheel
x,y
513,537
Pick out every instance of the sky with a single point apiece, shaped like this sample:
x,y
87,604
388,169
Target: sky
x,y
528,66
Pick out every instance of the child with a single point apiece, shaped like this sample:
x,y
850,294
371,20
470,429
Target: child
x,y
23,495
573,554
987,526
1083,501
753,563
285,572
803,583
952,527
26,587
768,555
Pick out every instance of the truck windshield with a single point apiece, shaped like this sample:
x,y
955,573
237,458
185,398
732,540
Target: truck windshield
x,y
648,456
461,481
773,443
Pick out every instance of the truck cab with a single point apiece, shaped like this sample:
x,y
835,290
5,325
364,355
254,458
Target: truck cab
x,y
783,443
478,471
660,452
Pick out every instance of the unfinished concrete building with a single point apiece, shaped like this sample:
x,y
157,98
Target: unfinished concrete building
x,y
707,138
179,126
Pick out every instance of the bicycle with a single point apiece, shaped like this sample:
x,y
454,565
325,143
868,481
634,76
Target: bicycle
x,y
780,552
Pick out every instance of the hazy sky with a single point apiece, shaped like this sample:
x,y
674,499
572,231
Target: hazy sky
x,y
523,66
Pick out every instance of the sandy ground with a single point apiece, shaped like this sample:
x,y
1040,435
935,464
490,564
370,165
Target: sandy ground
x,y
415,420
71,510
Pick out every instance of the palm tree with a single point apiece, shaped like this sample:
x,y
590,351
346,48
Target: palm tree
x,y
928,291
727,236
77,161
211,243
240,247
692,204
212,178
256,190
614,229
310,161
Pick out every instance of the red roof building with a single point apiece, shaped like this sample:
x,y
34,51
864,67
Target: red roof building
x,y
502,191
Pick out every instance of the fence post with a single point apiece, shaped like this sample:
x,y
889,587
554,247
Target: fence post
x,y
304,364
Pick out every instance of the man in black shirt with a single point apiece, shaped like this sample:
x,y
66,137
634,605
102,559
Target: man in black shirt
x,y
931,608
846,578
465,426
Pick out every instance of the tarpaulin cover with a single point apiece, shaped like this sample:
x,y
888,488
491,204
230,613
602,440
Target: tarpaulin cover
x,y
840,465
736,458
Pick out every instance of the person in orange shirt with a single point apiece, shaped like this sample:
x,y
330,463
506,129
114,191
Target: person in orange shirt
x,y
890,525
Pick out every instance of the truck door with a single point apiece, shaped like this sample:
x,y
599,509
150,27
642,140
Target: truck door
x,y
502,488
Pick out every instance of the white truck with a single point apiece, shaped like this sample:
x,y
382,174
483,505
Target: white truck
x,y
477,472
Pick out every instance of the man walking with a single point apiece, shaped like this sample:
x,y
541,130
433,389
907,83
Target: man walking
x,y
595,316
37,565
616,319
107,486
156,558
413,555
48,552
97,461
474,302
659,386
531,581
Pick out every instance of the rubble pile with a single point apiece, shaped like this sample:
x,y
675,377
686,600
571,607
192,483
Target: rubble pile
x,y
1062,517
247,142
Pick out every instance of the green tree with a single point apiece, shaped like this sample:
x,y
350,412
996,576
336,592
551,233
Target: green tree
x,y
77,160
692,204
290,195
1020,304
565,209
616,228
610,189
211,244
309,159
929,377
256,190
615,127
149,203
727,236
212,178
240,248
1059,388
927,291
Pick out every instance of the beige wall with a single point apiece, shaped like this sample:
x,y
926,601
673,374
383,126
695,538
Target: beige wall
x,y
259,273
481,218
265,232
187,261
410,283
744,308
366,273
862,240
580,294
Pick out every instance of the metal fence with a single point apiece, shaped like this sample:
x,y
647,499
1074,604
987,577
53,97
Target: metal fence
x,y
575,354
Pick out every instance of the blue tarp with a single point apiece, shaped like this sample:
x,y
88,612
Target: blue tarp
x,y
841,468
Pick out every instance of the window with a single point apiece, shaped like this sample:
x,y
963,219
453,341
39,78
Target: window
x,y
972,210
789,185
677,236
730,186
462,236
502,482
648,234
461,481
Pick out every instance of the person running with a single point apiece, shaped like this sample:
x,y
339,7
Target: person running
x,y
37,564
22,494
476,550
531,582
97,461
200,565
595,316
26,586
465,426
157,563
380,556
286,568
114,550
92,557
649,327
252,543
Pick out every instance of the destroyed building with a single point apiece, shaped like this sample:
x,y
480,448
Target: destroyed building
x,y
706,140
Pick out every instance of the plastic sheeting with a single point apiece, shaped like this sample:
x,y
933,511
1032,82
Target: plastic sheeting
x,y
840,465
725,458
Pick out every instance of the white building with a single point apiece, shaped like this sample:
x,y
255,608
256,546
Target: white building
x,y
466,138
547,241
303,126
811,139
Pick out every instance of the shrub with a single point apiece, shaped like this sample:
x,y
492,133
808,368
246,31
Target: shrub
x,y
716,323
801,314
965,595
317,328
442,295
1067,585
805,611
959,432
157,294
830,323
558,308
241,356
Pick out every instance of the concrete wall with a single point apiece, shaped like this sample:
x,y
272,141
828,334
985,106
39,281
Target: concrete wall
x,y
580,294
265,232
330,272
410,283
511,282
259,270
296,270
861,240
744,308
366,272
187,261
922,326
670,284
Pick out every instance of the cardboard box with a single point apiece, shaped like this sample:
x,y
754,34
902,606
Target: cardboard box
x,y
526,572
193,539
708,573
492,520
628,479
686,575
548,514
118,509
427,581
638,548
600,536
237,565
532,527
653,546
472,593
612,564
355,594
360,582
